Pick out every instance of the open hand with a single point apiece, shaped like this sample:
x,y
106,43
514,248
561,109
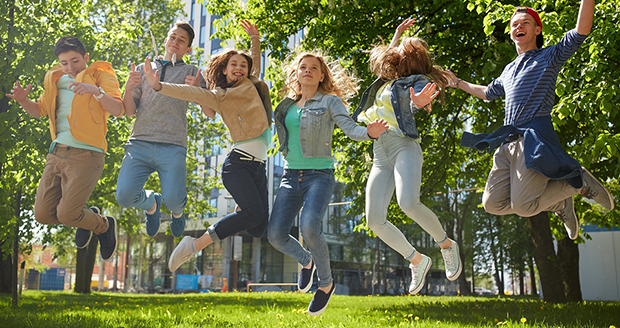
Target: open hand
x,y
425,96
376,128
18,93
250,29
193,80
405,25
151,78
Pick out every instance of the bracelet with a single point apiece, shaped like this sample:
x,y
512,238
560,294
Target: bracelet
x,y
254,36
457,82
371,138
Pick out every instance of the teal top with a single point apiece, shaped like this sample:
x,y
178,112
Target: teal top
x,y
265,137
294,158
63,134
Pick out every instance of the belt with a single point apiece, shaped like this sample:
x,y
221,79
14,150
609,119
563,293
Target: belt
x,y
247,157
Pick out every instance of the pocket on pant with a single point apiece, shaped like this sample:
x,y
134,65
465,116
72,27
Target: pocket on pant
x,y
97,159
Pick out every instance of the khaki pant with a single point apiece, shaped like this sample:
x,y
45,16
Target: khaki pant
x,y
512,188
69,177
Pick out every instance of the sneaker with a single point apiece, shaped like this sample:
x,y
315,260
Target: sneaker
x,y
152,220
305,278
418,274
320,301
83,236
452,261
568,216
177,225
108,241
184,251
595,190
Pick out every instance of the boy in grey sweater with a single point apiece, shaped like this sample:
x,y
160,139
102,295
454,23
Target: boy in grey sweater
x,y
158,141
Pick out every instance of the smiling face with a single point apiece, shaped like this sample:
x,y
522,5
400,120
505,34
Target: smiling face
x,y
72,63
309,72
523,31
237,67
177,43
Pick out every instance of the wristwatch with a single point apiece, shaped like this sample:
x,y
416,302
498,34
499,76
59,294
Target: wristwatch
x,y
101,93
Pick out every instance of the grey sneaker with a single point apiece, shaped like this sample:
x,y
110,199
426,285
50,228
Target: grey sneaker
x,y
452,261
418,274
568,216
595,190
184,251
83,236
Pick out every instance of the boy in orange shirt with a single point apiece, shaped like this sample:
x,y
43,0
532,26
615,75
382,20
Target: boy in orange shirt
x,y
78,100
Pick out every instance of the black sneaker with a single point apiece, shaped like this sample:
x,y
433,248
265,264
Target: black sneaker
x,y
320,301
83,236
108,241
305,278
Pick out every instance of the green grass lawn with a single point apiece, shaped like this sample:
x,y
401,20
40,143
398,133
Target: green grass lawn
x,y
65,309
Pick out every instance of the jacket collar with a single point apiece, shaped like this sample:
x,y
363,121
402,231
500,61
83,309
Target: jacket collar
x,y
57,72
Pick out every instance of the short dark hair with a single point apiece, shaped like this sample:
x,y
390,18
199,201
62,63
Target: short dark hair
x,y
188,28
69,43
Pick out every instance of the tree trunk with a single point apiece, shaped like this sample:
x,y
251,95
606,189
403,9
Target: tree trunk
x,y
546,261
521,282
151,277
18,221
84,265
6,267
568,259
530,263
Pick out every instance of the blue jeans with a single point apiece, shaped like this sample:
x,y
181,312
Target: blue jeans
x,y
246,181
142,158
312,189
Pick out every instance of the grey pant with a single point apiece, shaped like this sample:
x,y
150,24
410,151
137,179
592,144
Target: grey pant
x,y
512,188
398,165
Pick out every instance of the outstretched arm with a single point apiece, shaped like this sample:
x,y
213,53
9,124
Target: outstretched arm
x,y
255,53
586,15
406,24
473,89
21,96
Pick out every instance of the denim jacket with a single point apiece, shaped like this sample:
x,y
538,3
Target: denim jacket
x,y
541,147
317,125
401,101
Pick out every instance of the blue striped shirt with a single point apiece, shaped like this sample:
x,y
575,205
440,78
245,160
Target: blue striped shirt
x,y
528,82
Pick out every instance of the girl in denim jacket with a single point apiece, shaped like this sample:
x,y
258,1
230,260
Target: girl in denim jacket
x,y
403,88
304,125
242,100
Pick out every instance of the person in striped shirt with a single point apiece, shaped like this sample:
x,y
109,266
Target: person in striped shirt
x,y
531,171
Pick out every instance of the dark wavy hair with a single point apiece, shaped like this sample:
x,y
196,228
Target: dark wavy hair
x,y
214,75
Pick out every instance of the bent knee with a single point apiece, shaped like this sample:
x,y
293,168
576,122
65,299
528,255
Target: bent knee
x,y
126,197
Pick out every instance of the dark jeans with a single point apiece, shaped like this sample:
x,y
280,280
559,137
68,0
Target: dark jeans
x,y
246,181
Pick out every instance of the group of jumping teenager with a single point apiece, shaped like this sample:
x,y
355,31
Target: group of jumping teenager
x,y
531,171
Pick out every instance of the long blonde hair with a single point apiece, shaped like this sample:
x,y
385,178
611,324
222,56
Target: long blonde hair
x,y
337,80
410,58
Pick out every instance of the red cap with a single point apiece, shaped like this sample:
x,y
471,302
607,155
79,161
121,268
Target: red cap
x,y
529,11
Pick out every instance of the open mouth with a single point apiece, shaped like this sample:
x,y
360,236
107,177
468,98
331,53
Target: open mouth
x,y
520,34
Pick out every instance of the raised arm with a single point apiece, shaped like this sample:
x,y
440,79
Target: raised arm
x,y
197,95
255,53
406,24
473,89
21,96
133,80
586,15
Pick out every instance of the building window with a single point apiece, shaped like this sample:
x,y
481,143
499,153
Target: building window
x,y
191,10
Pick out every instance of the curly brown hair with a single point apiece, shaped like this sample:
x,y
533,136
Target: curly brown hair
x,y
410,58
337,80
214,75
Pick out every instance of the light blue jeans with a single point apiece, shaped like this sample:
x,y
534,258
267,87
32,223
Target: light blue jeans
x,y
398,165
142,158
313,190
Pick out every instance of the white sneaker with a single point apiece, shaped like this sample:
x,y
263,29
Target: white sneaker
x,y
568,216
418,274
452,261
595,190
184,251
